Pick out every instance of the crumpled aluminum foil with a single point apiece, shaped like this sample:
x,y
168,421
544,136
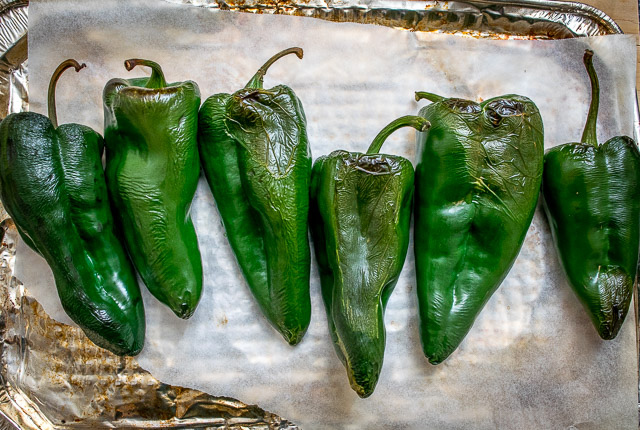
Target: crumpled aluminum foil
x,y
540,19
117,392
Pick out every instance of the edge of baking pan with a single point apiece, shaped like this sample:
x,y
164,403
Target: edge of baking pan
x,y
523,18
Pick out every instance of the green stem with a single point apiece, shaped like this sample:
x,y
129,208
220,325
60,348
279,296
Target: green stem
x,y
429,96
51,99
416,122
589,135
256,81
157,77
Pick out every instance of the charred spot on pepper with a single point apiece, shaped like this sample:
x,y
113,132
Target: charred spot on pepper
x,y
369,164
499,109
462,105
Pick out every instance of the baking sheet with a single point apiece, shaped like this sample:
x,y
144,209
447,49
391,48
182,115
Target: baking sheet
x,y
532,359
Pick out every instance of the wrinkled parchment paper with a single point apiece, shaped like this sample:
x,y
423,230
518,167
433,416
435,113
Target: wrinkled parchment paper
x,y
532,359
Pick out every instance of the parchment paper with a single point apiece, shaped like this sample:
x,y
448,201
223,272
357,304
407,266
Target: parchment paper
x,y
532,359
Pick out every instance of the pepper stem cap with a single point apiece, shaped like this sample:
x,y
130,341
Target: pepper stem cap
x,y
417,122
429,96
156,80
589,135
258,78
51,95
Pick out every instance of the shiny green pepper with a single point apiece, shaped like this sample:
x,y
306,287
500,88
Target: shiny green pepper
x,y
360,217
152,170
256,157
591,195
52,185
477,183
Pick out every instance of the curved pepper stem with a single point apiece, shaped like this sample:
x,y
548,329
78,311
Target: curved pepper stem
x,y
156,80
429,96
589,135
51,99
416,122
257,80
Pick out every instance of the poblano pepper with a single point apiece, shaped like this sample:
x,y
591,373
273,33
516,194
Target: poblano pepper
x,y
257,160
360,215
477,183
152,170
52,185
591,195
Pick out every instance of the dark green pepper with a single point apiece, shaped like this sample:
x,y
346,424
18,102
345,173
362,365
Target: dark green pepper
x,y
591,195
52,185
477,183
257,160
152,170
360,214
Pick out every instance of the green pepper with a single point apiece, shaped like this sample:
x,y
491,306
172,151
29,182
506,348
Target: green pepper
x,y
52,185
152,170
257,160
477,183
360,214
591,195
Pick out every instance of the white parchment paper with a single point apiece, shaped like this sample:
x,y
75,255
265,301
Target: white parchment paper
x,y
532,359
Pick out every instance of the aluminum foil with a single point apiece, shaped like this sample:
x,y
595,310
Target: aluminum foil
x,y
88,387
540,19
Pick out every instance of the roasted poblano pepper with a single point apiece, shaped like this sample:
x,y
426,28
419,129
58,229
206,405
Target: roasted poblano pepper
x,y
52,185
152,169
360,214
591,195
477,183
257,160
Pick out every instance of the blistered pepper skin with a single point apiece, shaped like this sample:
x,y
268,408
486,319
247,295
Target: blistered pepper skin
x,y
591,195
52,184
152,170
360,218
257,161
477,182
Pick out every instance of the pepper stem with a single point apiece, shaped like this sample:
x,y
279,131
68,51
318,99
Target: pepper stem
x,y
589,135
429,96
51,99
156,80
416,122
256,81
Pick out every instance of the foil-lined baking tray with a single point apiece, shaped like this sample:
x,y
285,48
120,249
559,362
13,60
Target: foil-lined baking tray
x,y
118,392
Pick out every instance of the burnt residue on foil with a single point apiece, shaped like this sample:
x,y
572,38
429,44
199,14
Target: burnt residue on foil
x,y
535,19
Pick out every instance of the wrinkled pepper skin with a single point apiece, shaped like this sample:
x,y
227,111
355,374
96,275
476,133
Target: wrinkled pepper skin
x,y
477,182
257,161
360,217
152,169
591,195
52,185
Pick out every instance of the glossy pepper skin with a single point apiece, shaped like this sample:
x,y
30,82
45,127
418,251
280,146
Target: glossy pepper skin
x,y
360,216
257,160
477,182
52,185
591,195
152,171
